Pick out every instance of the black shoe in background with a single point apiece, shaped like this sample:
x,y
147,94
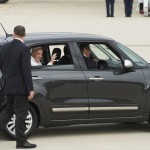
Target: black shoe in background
x,y
26,144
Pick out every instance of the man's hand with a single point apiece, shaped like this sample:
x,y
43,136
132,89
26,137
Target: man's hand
x,y
31,94
53,58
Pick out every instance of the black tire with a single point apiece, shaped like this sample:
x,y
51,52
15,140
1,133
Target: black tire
x,y
31,124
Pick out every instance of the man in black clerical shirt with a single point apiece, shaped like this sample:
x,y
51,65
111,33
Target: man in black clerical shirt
x,y
85,49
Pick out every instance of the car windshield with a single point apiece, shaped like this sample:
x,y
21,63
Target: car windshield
x,y
102,51
133,56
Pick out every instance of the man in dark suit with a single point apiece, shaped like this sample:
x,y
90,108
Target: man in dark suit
x,y
17,84
87,56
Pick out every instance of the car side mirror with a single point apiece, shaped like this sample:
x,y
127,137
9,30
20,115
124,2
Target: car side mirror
x,y
128,66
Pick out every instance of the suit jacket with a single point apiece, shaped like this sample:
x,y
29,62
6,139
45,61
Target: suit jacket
x,y
16,68
90,63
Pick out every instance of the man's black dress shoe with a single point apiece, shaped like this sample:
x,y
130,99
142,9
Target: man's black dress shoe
x,y
25,145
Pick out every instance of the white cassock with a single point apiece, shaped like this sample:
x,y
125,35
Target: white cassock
x,y
34,63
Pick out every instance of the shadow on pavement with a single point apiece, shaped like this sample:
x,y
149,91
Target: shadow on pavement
x,y
77,130
114,128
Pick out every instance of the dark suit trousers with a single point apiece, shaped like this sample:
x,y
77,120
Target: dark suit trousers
x,y
128,7
17,104
110,8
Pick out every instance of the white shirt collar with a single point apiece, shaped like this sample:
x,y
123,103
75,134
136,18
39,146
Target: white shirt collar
x,y
19,39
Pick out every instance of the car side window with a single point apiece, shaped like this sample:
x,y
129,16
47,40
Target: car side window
x,y
99,56
55,56
62,54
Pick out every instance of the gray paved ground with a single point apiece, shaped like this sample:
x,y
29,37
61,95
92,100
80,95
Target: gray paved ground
x,y
87,17
130,136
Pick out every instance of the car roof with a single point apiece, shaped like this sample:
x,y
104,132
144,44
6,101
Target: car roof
x,y
66,36
32,38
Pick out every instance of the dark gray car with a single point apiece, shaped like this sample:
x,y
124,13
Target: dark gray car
x,y
67,93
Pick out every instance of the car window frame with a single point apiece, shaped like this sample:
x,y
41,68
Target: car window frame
x,y
71,52
124,56
81,59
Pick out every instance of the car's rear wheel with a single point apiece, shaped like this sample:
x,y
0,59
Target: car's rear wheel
x,y
31,123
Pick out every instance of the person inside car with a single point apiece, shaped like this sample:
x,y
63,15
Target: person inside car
x,y
85,49
56,51
36,57
65,59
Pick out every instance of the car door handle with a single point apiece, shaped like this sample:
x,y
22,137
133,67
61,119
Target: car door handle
x,y
36,78
96,78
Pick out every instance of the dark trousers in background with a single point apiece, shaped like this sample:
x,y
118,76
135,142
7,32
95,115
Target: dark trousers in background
x,y
128,7
141,8
110,8
17,104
